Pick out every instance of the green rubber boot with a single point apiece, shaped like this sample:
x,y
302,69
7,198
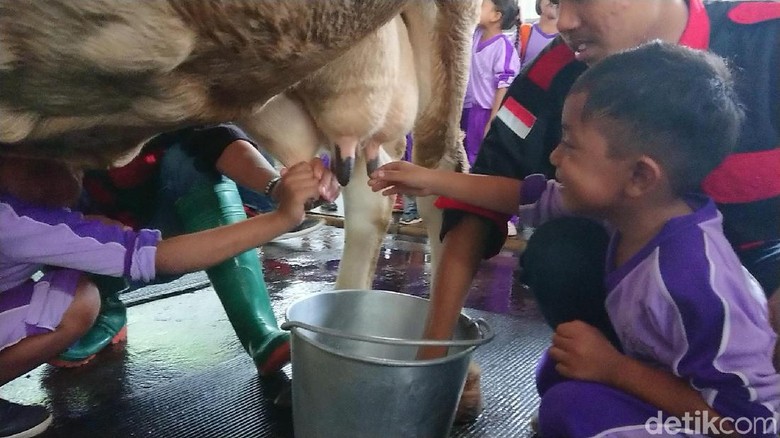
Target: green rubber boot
x,y
238,281
110,327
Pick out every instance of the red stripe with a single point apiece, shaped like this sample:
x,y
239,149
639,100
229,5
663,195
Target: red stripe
x,y
138,171
499,218
745,177
697,32
520,111
755,12
549,64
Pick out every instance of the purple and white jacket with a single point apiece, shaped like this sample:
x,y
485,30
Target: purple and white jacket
x,y
494,65
32,237
685,303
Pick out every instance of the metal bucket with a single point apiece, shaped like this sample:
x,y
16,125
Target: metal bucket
x,y
355,372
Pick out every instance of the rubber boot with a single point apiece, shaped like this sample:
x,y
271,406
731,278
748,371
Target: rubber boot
x,y
238,281
109,328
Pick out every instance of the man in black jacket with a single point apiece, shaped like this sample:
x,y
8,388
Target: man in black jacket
x,y
563,263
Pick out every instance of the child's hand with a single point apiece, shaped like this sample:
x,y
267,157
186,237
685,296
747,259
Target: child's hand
x,y
584,353
298,186
401,177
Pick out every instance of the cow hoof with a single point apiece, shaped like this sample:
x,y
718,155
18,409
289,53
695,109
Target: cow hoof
x,y
470,405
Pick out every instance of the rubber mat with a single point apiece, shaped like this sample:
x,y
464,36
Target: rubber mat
x,y
153,292
230,400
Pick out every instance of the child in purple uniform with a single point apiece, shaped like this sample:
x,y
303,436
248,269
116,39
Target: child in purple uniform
x,y
540,33
47,301
684,344
494,64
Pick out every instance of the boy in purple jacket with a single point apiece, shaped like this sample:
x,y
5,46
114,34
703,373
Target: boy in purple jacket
x,y
683,332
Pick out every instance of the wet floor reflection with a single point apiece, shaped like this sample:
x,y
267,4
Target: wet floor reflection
x,y
403,266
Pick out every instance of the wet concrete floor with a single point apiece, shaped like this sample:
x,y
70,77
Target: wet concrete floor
x,y
177,331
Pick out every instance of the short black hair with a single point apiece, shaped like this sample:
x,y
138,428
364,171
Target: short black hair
x,y
674,104
509,12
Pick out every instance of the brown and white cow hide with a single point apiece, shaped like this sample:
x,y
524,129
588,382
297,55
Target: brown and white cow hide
x,y
90,80
367,100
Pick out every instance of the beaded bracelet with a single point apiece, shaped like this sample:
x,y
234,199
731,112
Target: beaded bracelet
x,y
270,186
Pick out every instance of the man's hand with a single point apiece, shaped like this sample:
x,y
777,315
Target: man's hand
x,y
584,353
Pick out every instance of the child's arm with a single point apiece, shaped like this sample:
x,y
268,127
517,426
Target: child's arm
x,y
582,352
492,192
197,251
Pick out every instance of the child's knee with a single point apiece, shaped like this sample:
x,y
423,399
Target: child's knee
x,y
561,405
83,311
561,397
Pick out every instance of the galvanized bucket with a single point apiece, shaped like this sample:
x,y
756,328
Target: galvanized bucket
x,y
355,372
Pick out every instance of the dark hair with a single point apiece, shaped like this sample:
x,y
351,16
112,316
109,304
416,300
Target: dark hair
x,y
538,7
509,12
674,104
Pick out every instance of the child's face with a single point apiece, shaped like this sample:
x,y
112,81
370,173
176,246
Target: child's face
x,y
488,14
593,181
549,10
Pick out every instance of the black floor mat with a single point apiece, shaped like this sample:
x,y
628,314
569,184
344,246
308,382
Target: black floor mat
x,y
230,400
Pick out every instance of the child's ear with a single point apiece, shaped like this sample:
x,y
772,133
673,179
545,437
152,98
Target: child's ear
x,y
645,176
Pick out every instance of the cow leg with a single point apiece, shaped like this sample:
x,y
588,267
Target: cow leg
x,y
441,35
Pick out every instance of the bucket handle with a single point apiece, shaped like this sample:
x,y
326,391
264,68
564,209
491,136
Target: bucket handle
x,y
485,331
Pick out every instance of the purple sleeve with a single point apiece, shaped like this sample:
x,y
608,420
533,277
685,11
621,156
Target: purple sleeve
x,y
540,200
506,66
716,326
59,237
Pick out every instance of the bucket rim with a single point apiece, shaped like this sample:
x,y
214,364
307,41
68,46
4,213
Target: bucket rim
x,y
467,351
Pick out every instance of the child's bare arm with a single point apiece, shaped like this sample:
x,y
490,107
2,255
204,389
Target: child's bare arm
x,y
202,250
492,192
197,251
583,353
662,389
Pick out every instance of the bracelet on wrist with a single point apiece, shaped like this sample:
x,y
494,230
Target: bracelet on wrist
x,y
270,186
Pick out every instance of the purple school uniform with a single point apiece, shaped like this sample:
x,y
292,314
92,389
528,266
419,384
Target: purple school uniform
x,y
683,303
62,243
494,64
537,41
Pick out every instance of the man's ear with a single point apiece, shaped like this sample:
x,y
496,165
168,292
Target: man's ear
x,y
646,175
